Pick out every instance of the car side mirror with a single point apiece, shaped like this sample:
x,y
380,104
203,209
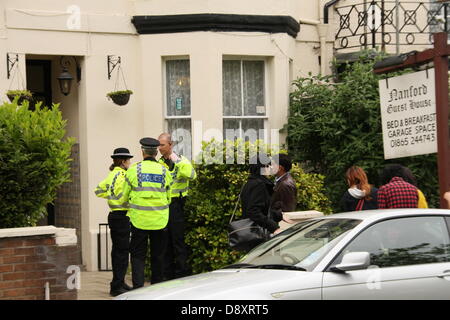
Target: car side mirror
x,y
353,261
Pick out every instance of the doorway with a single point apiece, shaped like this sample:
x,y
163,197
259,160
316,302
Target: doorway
x,y
40,84
41,80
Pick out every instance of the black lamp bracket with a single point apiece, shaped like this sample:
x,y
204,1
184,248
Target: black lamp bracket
x,y
64,61
11,60
113,61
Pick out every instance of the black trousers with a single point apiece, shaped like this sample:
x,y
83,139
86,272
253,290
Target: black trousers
x,y
119,224
175,259
138,251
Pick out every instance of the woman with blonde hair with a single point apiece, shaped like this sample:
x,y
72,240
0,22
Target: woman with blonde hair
x,y
360,195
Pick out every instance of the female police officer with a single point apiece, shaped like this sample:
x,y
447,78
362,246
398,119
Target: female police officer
x,y
112,189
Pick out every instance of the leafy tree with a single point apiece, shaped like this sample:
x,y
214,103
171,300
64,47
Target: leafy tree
x,y
333,126
34,161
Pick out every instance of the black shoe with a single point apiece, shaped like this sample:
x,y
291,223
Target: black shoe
x,y
126,287
116,292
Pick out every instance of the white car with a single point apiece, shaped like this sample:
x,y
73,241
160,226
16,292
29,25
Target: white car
x,y
377,254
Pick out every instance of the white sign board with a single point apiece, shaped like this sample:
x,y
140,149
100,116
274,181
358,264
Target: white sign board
x,y
408,114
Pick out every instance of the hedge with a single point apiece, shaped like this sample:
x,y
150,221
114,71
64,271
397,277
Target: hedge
x,y
34,161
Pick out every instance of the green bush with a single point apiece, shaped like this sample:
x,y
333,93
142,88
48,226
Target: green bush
x,y
33,162
333,126
213,196
310,191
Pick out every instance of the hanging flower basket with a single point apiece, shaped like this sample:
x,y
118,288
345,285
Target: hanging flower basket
x,y
120,98
22,94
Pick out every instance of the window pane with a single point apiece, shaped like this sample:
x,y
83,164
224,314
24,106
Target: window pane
x,y
253,129
178,88
303,245
180,129
231,129
405,241
231,84
247,129
253,88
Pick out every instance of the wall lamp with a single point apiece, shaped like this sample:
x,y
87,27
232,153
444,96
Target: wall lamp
x,y
65,78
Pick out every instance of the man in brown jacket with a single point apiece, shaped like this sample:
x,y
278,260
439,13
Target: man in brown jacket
x,y
284,197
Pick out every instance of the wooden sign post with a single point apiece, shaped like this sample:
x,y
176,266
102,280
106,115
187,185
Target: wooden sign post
x,y
439,56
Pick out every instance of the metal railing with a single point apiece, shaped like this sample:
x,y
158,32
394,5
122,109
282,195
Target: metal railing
x,y
103,248
372,24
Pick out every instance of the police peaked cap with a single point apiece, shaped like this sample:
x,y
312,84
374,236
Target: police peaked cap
x,y
148,143
121,153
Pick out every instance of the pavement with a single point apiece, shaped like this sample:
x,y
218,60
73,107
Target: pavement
x,y
95,285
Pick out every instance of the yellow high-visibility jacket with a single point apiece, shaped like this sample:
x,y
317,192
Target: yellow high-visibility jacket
x,y
112,189
148,190
182,173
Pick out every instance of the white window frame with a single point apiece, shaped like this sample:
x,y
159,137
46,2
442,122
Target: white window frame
x,y
165,106
266,93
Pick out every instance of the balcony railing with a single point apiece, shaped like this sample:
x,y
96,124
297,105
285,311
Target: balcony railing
x,y
389,25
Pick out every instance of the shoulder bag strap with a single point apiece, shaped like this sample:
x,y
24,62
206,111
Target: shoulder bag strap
x,y
237,203
360,204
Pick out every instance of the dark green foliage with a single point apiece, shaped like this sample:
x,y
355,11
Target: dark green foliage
x,y
34,159
333,126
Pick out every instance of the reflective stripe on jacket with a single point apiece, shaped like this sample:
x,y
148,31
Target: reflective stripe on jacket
x,y
181,174
148,190
112,189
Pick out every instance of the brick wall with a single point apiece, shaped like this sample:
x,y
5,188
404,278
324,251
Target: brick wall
x,y
28,262
68,198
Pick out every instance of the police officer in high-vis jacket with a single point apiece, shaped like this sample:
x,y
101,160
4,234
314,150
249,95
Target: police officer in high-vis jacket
x,y
148,193
182,172
112,188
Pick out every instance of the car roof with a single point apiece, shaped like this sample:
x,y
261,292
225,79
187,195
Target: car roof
x,y
386,213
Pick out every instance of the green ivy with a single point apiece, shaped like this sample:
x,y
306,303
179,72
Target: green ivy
x,y
34,161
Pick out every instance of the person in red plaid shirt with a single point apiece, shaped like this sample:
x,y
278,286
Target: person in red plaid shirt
x,y
396,192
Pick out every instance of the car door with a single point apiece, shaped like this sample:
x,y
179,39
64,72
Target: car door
x,y
410,259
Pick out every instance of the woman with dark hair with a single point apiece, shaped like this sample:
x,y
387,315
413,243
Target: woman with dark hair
x,y
112,189
360,194
256,194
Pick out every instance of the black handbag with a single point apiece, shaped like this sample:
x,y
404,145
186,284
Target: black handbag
x,y
245,234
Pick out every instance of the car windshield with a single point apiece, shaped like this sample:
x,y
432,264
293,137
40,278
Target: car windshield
x,y
303,245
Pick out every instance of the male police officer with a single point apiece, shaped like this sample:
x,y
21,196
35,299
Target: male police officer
x,y
182,171
148,191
